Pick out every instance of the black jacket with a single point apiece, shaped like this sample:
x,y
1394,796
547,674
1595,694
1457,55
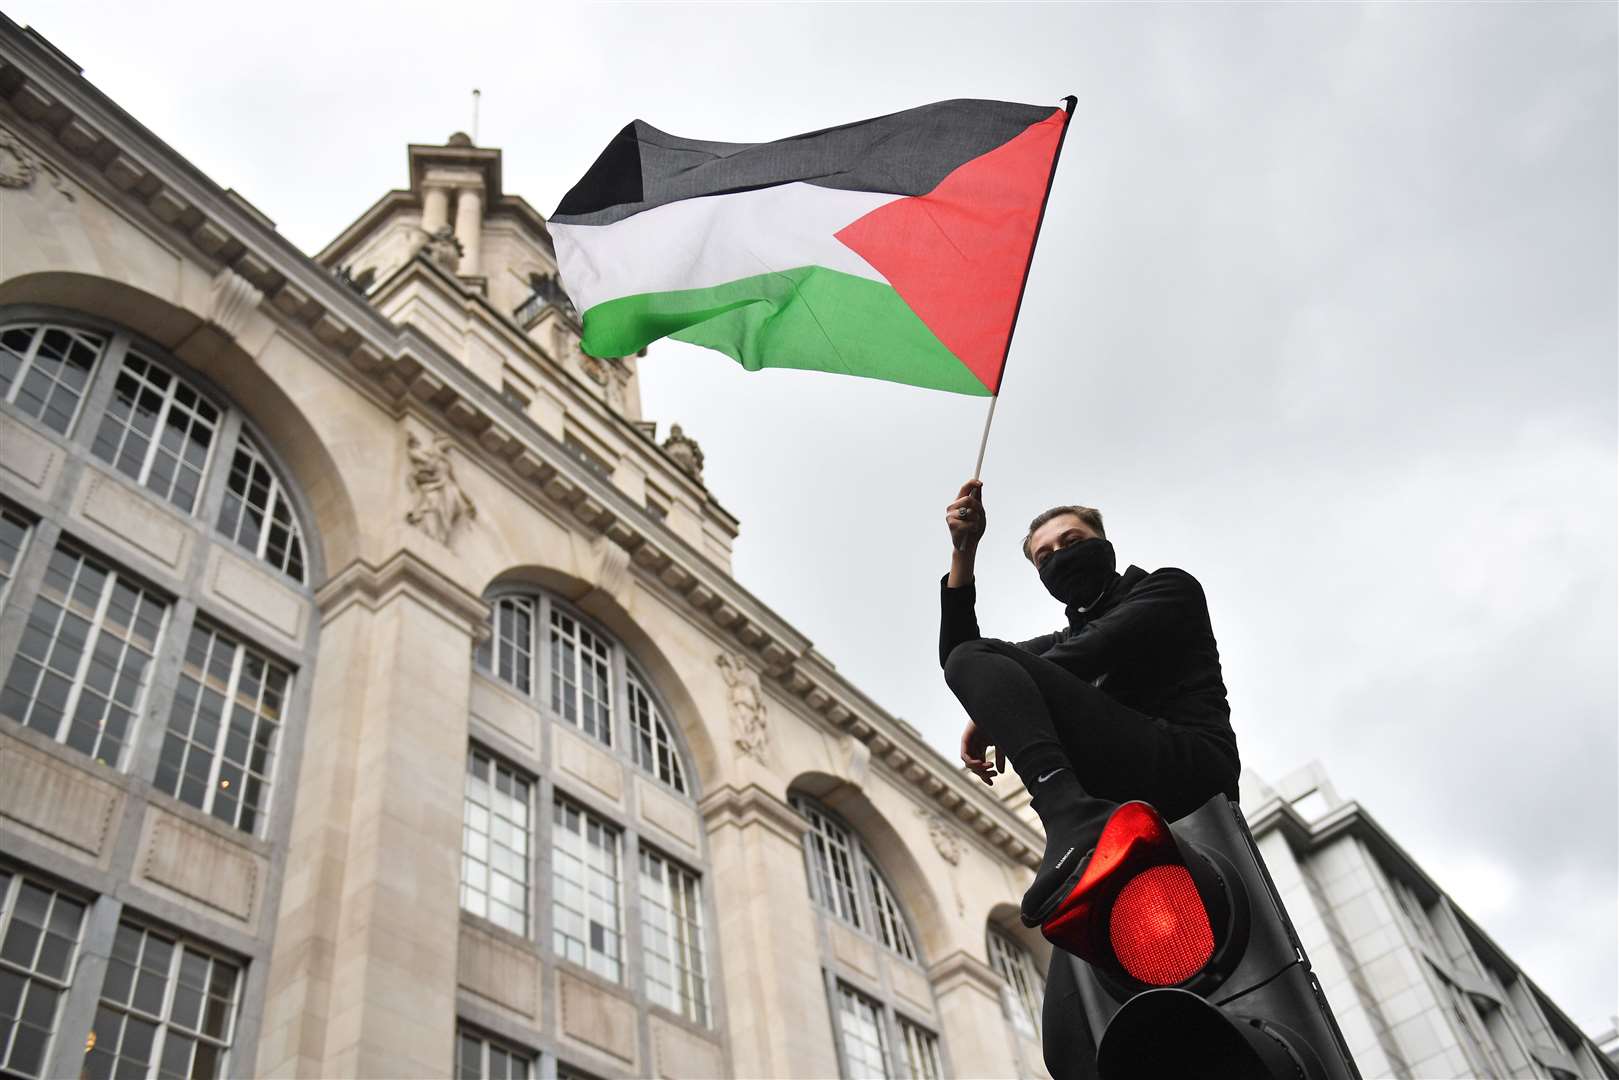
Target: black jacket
x,y
1147,644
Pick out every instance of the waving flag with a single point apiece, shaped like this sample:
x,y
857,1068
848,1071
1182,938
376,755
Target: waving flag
x,y
893,248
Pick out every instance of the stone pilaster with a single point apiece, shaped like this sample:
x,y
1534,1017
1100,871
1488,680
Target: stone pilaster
x,y
435,208
363,977
971,1021
776,1006
469,230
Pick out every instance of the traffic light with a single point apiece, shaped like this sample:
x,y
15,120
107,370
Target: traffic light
x,y
1187,965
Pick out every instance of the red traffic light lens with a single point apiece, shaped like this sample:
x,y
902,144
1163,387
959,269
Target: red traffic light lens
x,y
1159,928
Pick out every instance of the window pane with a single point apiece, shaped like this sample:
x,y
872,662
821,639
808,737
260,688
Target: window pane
x,y
672,937
653,746
495,843
157,431
581,677
256,512
1026,987
44,370
860,1021
585,905
829,849
168,1006
80,675
921,1052
39,938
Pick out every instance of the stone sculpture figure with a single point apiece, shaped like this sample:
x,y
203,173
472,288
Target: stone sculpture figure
x,y
684,449
748,722
442,248
440,502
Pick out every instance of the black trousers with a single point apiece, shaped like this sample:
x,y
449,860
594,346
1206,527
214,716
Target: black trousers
x,y
1044,716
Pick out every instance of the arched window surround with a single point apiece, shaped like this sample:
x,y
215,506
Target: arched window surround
x,y
163,734
868,903
530,673
120,340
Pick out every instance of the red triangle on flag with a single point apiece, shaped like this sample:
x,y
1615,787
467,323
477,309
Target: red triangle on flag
x,y
958,254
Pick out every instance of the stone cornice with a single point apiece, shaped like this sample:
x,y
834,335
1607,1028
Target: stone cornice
x,y
401,363
405,574
964,969
745,807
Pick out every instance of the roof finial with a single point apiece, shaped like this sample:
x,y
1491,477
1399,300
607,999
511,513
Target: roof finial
x,y
476,94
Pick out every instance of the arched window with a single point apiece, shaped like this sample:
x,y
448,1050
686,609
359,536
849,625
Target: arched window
x,y
582,677
1026,989
845,881
108,642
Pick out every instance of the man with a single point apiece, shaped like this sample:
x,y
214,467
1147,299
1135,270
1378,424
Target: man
x,y
1126,702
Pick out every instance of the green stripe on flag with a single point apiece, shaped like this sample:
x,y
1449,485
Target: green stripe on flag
x,y
810,318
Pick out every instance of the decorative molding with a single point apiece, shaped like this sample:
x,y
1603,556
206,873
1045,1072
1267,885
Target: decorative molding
x,y
856,760
963,969
232,299
405,573
685,452
612,566
748,806
440,503
749,715
19,166
946,841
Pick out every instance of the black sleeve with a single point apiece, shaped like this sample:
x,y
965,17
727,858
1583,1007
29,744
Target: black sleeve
x,y
958,622
1159,611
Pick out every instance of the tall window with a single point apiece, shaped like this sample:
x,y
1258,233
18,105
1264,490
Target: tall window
x,y
165,1005
672,937
224,727
39,940
586,679
587,929
495,834
508,652
80,673
257,514
891,928
860,1025
14,530
1026,990
158,431
483,1057
44,370
921,1052
653,746
830,851
581,677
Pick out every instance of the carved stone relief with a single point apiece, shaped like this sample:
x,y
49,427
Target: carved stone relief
x,y
441,248
440,503
748,711
19,167
947,842
687,454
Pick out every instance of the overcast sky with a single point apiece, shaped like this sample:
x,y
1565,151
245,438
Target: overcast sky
x,y
1324,312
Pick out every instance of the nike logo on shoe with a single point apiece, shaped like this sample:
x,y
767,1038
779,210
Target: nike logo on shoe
x,y
1048,776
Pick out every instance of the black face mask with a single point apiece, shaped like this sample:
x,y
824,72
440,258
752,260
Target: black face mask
x,y
1077,574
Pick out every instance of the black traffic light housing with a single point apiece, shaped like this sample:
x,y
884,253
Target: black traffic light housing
x,y
1186,961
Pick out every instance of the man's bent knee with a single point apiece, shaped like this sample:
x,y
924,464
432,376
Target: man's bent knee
x,y
968,657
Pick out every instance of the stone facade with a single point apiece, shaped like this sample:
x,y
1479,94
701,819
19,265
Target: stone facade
x,y
470,750
1418,988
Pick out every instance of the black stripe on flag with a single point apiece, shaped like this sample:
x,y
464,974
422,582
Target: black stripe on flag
x,y
904,153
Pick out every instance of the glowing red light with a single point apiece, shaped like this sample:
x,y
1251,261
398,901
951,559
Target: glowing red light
x,y
1159,929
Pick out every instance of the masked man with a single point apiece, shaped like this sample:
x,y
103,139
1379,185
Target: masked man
x,y
1126,702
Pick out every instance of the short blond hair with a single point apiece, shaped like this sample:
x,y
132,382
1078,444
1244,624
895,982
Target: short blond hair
x,y
1091,516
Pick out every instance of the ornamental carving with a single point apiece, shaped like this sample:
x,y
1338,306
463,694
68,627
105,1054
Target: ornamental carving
x,y
441,248
687,454
440,504
946,841
594,368
748,712
19,167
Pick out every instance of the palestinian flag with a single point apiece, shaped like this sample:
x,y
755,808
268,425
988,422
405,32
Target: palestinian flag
x,y
893,248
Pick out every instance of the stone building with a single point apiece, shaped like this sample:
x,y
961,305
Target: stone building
x,y
1418,988
377,698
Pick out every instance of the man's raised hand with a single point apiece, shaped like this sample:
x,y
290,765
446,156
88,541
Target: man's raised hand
x,y
965,517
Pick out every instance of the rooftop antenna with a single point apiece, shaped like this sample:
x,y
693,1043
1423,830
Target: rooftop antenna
x,y
476,94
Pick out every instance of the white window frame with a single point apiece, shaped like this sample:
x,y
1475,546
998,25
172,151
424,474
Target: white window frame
x,y
154,442
92,639
489,653
652,744
493,767
22,548
589,647
676,915
30,974
846,882
608,965
849,1004
242,652
276,496
486,1043
923,1061
101,341
164,1021
1025,988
